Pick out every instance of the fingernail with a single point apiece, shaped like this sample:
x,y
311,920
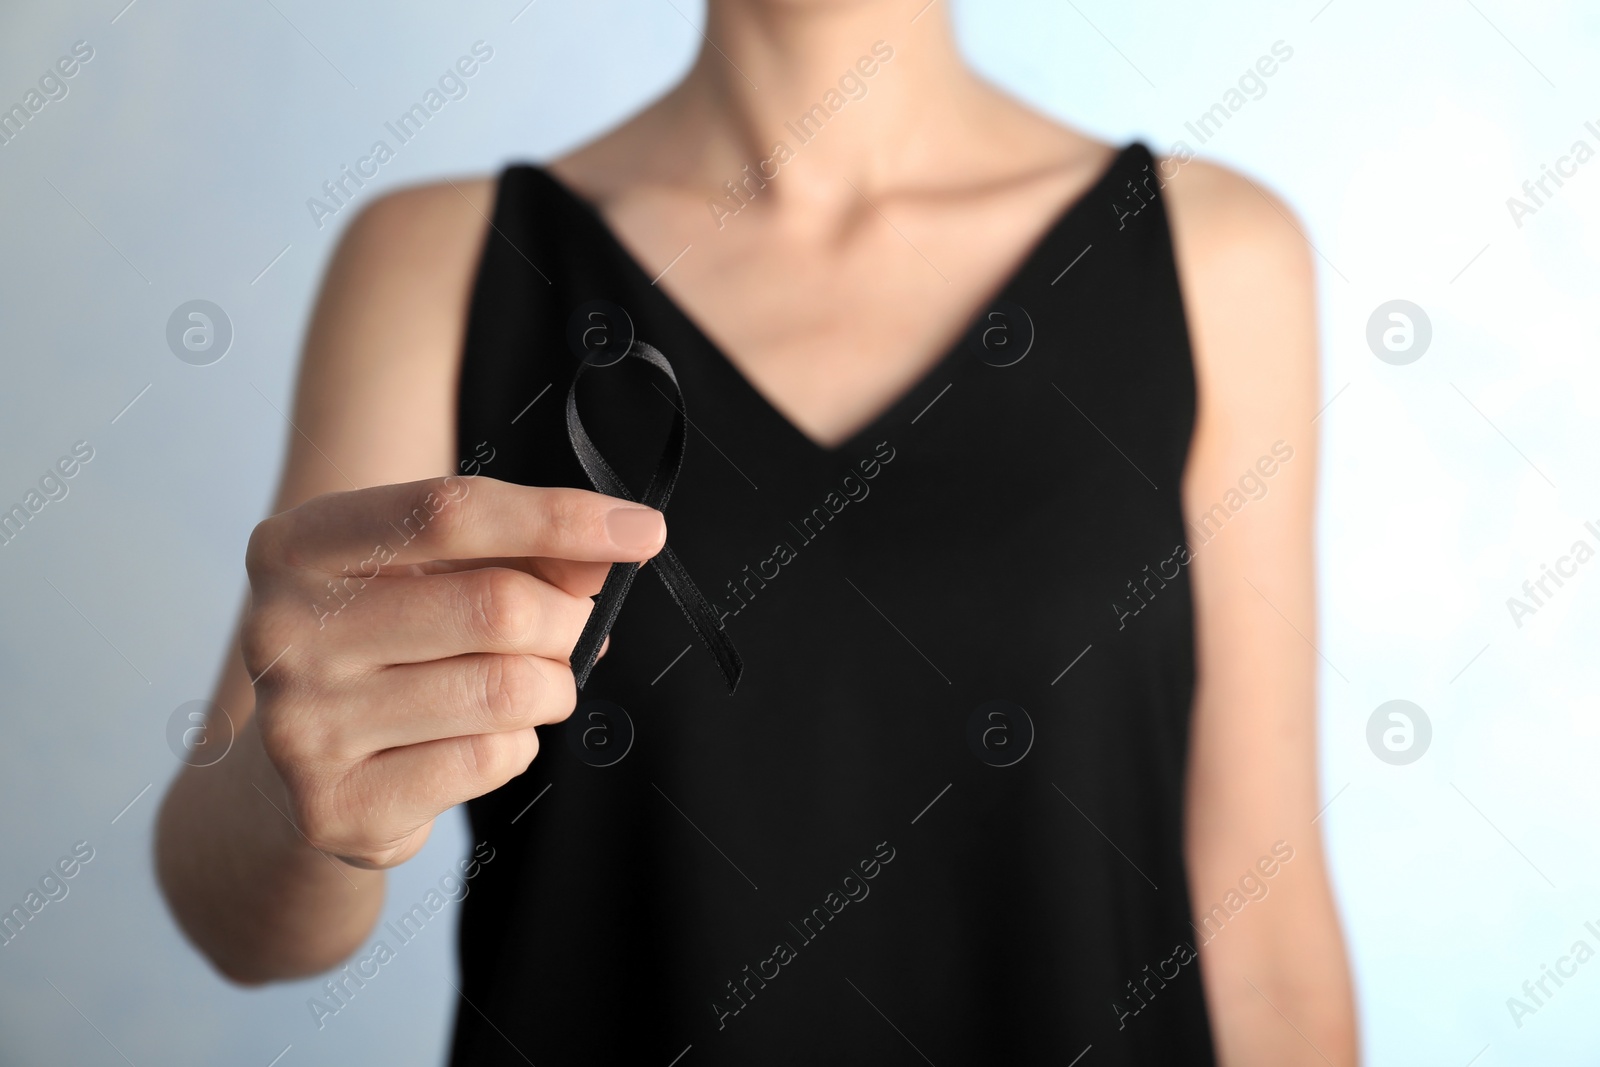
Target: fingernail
x,y
635,529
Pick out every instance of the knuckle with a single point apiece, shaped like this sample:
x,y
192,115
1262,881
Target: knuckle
x,y
265,549
569,517
311,735
295,743
265,643
279,738
508,604
481,756
431,511
511,686
335,814
318,819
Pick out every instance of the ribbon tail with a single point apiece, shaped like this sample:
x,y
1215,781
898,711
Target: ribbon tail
x,y
619,579
701,615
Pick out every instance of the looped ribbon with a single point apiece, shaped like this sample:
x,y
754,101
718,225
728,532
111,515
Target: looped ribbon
x,y
619,579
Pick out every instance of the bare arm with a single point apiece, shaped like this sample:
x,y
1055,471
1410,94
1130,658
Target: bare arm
x,y
374,405
1272,957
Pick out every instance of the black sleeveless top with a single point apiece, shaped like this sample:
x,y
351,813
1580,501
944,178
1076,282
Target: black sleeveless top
x,y
941,817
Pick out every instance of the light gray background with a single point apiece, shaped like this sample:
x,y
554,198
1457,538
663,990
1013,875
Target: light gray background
x,y
181,161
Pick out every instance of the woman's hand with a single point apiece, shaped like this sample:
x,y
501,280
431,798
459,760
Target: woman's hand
x,y
406,640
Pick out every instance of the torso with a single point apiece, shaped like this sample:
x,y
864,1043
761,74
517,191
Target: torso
x,y
957,547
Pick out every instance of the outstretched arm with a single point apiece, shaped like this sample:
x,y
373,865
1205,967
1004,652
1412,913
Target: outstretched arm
x,y
371,407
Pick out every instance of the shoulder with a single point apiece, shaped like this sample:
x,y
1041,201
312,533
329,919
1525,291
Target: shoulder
x,y
399,281
430,226
1221,218
405,262
1248,278
383,348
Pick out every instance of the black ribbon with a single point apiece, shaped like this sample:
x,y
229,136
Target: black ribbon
x,y
619,579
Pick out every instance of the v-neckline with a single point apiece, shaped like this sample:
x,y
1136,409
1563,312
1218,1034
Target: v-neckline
x,y
918,389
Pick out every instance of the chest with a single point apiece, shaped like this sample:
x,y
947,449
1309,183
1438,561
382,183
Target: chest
x,y
831,322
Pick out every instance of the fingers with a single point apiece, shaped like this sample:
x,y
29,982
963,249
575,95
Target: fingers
x,y
376,816
421,781
436,616
480,693
370,759
363,530
442,617
578,577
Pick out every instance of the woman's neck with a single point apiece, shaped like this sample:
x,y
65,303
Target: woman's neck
x,y
817,91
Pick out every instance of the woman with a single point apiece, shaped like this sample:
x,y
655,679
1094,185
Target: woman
x,y
958,380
